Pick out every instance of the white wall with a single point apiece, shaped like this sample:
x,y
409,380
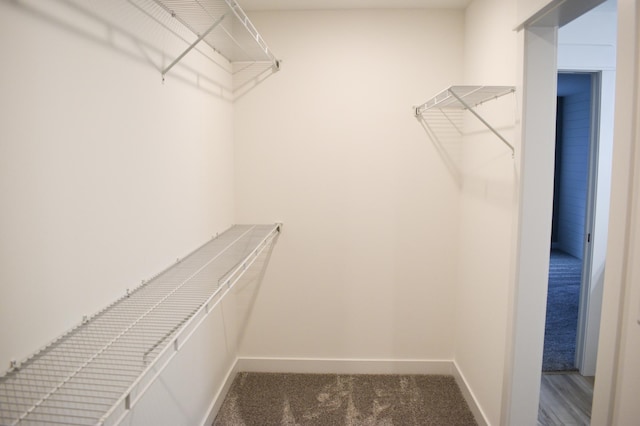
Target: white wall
x,y
589,44
625,407
106,175
618,369
487,206
366,265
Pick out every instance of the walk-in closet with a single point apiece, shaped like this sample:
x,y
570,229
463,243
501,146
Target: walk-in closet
x,y
239,212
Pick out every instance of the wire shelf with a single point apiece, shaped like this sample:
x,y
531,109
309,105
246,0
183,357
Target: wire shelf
x,y
222,24
95,373
445,109
463,97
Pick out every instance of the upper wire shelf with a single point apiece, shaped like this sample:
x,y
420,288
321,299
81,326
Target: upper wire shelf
x,y
461,97
224,26
465,98
96,373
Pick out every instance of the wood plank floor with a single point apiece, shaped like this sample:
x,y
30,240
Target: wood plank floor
x,y
565,399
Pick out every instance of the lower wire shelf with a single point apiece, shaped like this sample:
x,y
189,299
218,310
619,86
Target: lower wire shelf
x,y
96,373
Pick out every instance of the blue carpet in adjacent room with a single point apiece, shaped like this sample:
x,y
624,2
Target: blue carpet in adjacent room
x,y
562,312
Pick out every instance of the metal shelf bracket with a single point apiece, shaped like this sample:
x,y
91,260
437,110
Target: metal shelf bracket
x,y
194,44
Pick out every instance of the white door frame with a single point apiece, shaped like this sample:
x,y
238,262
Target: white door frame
x,y
538,42
585,355
536,162
526,333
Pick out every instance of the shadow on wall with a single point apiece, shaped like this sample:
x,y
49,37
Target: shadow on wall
x,y
248,76
448,146
247,289
144,33
445,130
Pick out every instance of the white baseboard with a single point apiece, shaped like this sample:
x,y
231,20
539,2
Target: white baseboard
x,y
346,366
215,405
468,395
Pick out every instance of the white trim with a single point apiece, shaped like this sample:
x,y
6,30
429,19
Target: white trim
x,y
585,356
469,396
218,399
344,366
528,301
557,13
523,362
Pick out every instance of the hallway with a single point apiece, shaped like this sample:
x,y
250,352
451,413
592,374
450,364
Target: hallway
x,y
563,298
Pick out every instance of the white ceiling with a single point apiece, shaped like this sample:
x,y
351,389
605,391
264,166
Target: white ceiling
x,y
351,4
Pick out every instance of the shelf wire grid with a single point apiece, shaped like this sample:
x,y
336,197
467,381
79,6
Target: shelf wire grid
x,y
442,115
96,372
445,127
462,97
235,37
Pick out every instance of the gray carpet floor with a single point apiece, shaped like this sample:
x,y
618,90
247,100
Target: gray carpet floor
x,y
267,399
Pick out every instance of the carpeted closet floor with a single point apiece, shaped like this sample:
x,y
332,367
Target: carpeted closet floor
x,y
264,399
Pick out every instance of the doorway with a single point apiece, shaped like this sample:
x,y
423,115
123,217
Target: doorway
x,y
572,220
541,53
570,260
